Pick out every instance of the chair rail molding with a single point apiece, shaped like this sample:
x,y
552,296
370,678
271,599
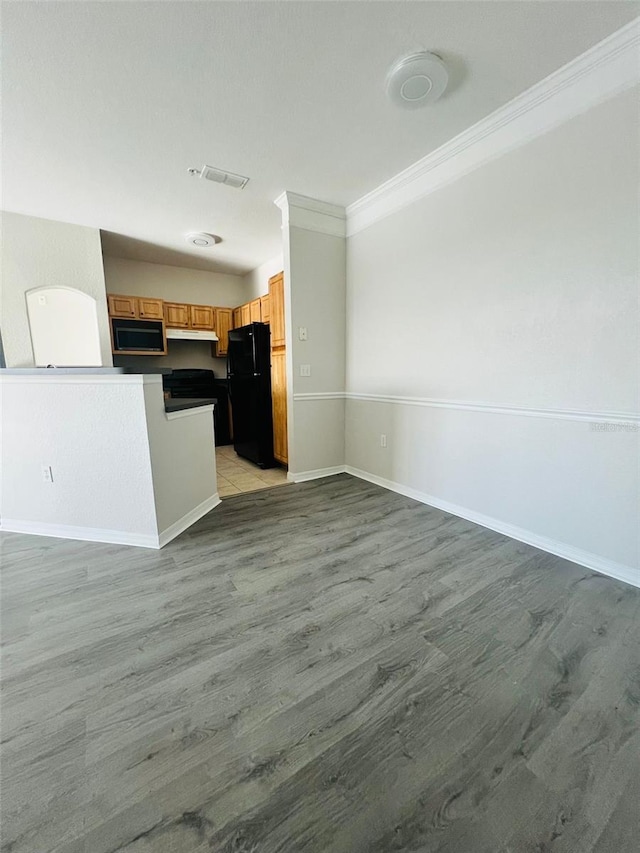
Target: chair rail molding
x,y
605,70
631,420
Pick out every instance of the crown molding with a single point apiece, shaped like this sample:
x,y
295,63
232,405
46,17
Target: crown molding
x,y
606,69
310,214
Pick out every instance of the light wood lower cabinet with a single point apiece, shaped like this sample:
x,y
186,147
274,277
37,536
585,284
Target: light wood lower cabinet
x,y
279,404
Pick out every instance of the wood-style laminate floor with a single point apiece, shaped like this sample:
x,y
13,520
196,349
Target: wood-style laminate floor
x,y
326,667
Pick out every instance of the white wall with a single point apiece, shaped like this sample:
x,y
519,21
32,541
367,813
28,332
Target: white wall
x,y
42,253
257,280
516,286
176,284
94,437
122,470
183,460
315,293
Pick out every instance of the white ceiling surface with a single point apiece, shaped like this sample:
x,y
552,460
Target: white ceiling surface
x,y
106,105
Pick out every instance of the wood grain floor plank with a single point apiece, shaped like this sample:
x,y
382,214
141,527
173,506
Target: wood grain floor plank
x,y
326,668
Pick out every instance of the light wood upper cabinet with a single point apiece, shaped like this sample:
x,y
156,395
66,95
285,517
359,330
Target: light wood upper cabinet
x,y
223,324
246,313
176,315
276,310
264,308
237,317
150,309
279,404
122,306
202,317
255,311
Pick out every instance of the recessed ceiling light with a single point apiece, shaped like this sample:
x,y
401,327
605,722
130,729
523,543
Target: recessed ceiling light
x,y
416,80
202,240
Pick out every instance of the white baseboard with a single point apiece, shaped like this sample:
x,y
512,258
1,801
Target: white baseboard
x,y
114,537
316,474
619,571
187,520
84,534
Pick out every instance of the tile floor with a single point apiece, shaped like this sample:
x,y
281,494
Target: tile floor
x,y
237,475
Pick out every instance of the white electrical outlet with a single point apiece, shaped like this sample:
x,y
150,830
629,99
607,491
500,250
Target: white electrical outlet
x,y
47,474
302,333
305,370
383,440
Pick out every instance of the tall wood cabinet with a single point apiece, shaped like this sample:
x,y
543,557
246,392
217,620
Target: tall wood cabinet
x,y
224,322
276,310
264,308
278,367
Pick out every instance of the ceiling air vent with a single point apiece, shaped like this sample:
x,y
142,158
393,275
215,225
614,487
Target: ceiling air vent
x,y
219,176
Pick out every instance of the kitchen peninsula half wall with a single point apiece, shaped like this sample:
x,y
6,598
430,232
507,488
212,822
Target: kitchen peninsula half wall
x,y
92,454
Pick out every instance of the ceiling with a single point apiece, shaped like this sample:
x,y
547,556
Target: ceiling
x,y
106,106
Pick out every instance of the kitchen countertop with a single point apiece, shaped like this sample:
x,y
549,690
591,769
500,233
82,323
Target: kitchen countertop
x,y
177,404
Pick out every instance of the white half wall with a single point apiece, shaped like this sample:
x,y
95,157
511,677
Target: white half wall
x,y
183,463
515,286
93,434
122,470
42,253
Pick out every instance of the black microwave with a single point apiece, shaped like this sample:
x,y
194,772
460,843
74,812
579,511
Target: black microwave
x,y
138,336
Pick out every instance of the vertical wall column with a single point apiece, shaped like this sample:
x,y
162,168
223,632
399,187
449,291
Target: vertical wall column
x,y
314,248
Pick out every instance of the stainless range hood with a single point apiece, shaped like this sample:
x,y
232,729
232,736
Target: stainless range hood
x,y
191,335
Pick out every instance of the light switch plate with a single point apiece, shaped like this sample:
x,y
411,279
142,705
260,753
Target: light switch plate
x,y
305,370
302,333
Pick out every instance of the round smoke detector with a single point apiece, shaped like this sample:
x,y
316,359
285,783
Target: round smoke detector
x,y
202,240
417,80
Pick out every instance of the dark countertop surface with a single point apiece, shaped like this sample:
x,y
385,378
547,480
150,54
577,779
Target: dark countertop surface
x,y
176,404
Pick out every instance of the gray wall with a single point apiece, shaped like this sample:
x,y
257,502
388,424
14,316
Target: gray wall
x,y
515,286
37,253
175,284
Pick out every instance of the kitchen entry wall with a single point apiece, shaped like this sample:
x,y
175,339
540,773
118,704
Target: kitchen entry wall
x,y
176,284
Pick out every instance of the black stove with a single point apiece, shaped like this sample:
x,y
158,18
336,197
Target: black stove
x,y
200,383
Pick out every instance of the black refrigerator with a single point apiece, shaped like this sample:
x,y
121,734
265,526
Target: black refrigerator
x,y
249,379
